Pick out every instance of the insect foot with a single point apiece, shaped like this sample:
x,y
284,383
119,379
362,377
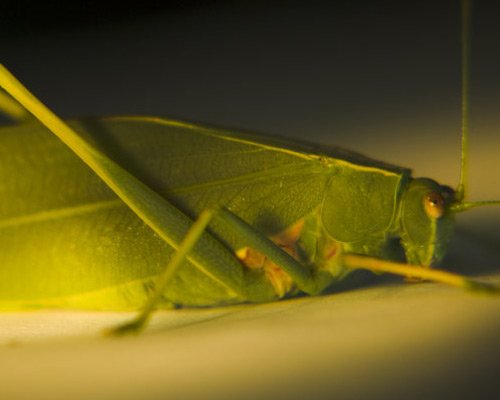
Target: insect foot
x,y
133,327
481,287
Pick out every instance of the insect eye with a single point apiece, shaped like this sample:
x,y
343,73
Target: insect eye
x,y
434,205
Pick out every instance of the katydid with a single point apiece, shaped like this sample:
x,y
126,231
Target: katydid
x,y
152,213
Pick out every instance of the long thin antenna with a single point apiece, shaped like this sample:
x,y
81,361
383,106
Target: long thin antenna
x,y
463,185
461,205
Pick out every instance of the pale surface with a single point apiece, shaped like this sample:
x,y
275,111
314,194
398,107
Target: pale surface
x,y
414,340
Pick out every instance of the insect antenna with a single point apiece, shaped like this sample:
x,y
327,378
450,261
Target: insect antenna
x,y
461,205
465,65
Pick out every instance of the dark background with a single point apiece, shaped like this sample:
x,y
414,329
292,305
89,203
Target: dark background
x,y
284,67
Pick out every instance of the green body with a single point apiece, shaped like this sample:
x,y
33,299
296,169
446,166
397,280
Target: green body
x,y
66,240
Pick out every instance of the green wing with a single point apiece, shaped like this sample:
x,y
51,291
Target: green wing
x,y
66,240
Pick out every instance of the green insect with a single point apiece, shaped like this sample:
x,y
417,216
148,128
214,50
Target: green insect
x,y
151,213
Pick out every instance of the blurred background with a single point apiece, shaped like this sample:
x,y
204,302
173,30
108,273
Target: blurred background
x,y
372,75
379,77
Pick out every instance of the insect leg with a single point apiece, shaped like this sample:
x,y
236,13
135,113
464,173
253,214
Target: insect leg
x,y
306,280
12,109
415,271
256,287
168,273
